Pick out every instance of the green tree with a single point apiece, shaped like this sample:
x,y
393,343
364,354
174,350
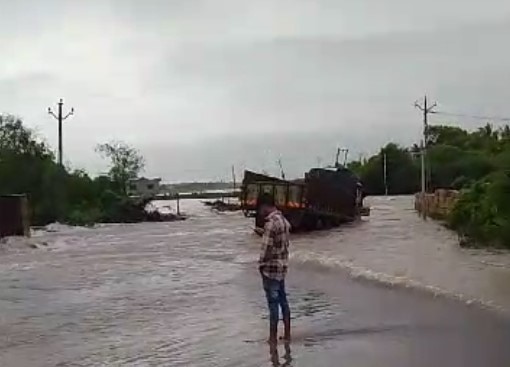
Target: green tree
x,y
448,135
402,173
482,213
27,167
125,163
449,163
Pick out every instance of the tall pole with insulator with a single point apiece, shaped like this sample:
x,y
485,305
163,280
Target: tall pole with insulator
x,y
60,118
426,109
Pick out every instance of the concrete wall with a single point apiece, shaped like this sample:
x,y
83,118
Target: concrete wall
x,y
436,205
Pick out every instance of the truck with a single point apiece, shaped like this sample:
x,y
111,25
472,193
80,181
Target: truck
x,y
324,198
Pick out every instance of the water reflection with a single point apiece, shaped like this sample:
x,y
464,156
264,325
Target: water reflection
x,y
275,357
310,303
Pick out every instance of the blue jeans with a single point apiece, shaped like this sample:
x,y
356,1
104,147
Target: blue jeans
x,y
276,299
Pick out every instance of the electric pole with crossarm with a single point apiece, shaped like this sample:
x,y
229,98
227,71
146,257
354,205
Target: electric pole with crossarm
x,y
60,118
426,109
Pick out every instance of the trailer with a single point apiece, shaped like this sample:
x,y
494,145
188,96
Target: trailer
x,y
325,198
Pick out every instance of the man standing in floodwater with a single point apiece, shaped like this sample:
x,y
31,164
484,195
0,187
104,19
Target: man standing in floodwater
x,y
273,264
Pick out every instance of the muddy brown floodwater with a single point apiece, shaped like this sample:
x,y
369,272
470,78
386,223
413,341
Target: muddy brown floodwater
x,y
391,290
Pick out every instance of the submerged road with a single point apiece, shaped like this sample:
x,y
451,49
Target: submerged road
x,y
188,294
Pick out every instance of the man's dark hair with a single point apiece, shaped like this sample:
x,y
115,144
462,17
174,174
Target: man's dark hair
x,y
265,199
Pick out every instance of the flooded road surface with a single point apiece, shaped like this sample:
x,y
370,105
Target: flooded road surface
x,y
395,246
188,294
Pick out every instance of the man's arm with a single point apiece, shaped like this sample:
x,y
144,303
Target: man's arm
x,y
267,241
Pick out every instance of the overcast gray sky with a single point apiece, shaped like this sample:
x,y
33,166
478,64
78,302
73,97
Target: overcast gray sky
x,y
199,85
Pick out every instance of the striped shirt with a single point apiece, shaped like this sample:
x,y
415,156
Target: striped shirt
x,y
274,254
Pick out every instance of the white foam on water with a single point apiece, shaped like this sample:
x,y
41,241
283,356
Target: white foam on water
x,y
328,263
58,228
22,244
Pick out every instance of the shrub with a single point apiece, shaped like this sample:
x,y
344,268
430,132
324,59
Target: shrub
x,y
482,214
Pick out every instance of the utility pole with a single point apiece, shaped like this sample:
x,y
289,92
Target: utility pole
x,y
385,168
426,109
60,118
234,177
337,160
281,168
234,180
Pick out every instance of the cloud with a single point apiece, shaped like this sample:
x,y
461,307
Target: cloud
x,y
255,81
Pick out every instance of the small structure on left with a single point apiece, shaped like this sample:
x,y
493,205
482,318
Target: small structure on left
x,y
14,218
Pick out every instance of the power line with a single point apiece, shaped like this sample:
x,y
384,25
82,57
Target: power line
x,y
476,117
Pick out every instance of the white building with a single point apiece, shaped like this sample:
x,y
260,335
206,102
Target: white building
x,y
144,187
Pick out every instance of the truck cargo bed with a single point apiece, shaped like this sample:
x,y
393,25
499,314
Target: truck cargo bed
x,y
323,199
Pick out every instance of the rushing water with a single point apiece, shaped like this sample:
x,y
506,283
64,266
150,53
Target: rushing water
x,y
188,294
398,247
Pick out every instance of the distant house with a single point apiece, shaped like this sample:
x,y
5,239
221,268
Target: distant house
x,y
144,186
